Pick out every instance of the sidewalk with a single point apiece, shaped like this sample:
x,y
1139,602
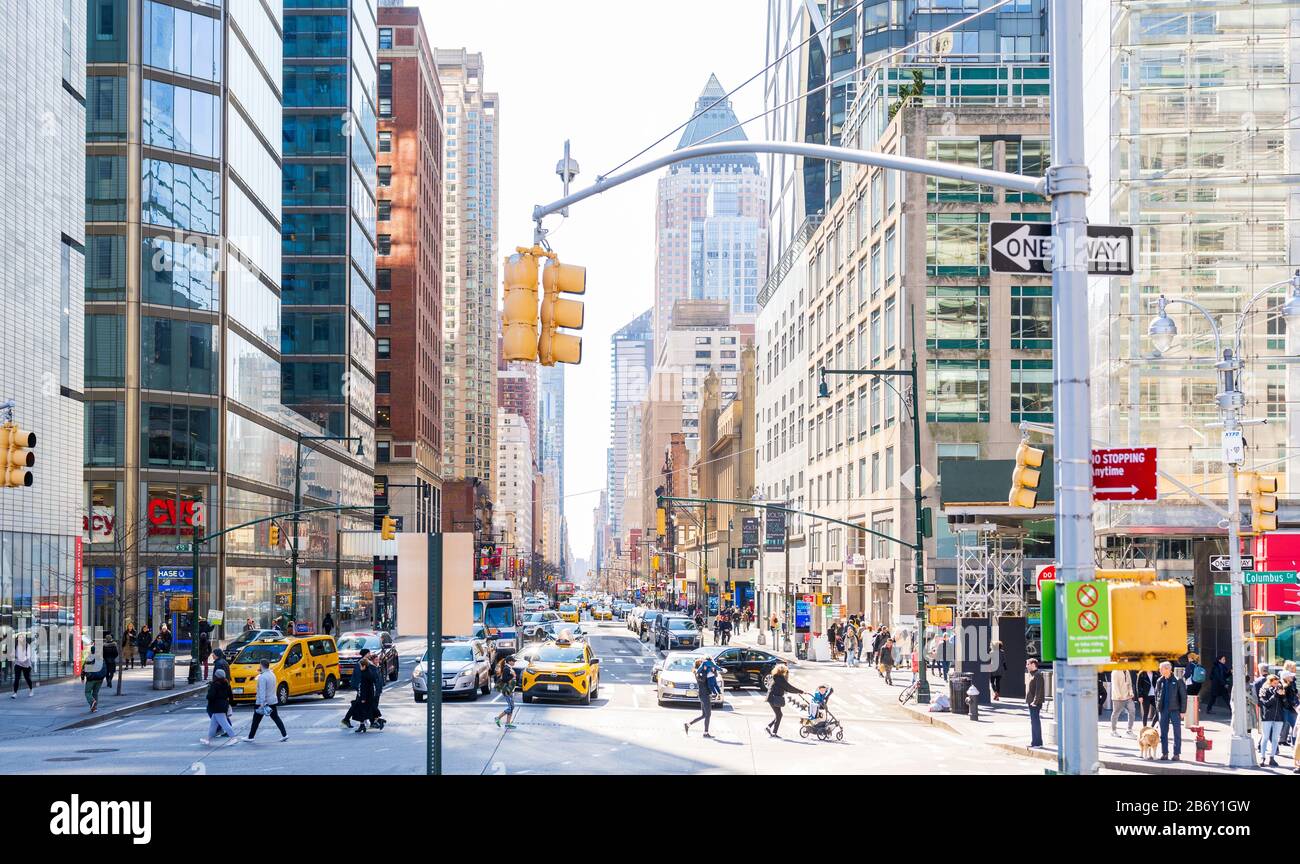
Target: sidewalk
x,y
1005,724
61,704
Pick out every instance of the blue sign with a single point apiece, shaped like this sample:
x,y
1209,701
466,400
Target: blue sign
x,y
802,616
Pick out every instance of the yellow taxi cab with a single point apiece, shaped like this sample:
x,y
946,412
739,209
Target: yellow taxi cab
x,y
303,666
602,613
569,612
562,669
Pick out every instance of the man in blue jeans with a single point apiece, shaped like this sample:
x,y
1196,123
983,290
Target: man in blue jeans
x,y
1171,702
1035,695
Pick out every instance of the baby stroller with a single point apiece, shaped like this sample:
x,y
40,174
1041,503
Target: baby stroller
x,y
818,719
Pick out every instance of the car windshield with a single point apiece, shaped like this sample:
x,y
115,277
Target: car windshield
x,y
356,643
681,624
556,654
258,653
680,664
457,652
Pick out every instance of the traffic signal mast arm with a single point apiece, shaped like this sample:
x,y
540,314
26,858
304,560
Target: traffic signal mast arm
x,y
983,176
758,504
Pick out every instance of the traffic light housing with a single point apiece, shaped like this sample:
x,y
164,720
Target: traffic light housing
x,y
388,528
519,335
15,447
274,535
552,346
1025,476
1263,502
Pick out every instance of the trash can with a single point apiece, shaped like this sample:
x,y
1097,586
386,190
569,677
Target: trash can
x,y
957,687
164,671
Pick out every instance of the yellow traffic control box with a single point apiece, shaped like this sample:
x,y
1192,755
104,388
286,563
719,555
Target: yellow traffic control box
x,y
1148,618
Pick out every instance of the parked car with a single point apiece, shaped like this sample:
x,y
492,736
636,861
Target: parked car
x,y
743,667
534,620
303,666
674,679
633,619
465,671
676,633
381,647
646,626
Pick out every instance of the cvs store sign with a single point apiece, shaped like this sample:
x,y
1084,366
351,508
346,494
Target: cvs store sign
x,y
168,516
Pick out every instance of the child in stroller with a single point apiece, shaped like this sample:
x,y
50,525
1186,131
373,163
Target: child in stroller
x,y
819,720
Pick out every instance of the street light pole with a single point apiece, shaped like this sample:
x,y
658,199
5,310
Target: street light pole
x,y
1230,399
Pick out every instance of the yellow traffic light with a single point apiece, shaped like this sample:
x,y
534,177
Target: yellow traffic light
x,y
661,522
274,535
1263,501
18,458
1025,477
388,529
519,306
554,347
654,563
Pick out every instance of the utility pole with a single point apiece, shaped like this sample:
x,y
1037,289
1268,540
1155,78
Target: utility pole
x,y
1068,186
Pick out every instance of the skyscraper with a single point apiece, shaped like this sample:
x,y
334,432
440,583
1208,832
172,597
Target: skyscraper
x,y
470,268
186,279
631,358
551,459
408,272
42,119
688,254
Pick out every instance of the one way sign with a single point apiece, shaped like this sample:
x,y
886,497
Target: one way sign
x,y
1028,247
1223,563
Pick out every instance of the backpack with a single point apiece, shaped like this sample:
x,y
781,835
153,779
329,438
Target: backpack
x,y
1198,674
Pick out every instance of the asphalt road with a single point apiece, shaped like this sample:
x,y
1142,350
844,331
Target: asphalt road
x,y
624,731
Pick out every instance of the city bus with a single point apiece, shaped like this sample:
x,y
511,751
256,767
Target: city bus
x,y
560,593
499,607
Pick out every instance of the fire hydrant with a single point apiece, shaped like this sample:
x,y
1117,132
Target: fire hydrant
x,y
1202,743
973,702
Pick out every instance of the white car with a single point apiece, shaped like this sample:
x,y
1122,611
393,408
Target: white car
x,y
465,670
535,620
674,679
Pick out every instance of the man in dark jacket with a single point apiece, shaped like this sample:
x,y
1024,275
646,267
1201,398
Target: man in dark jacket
x,y
110,654
1145,690
1035,695
144,644
1170,699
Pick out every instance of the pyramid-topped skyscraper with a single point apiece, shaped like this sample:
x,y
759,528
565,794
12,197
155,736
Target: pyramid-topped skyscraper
x,y
711,220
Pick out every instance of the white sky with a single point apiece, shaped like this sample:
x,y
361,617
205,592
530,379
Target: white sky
x,y
611,76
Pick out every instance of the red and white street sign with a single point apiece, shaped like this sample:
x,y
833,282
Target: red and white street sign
x,y
1124,474
1044,573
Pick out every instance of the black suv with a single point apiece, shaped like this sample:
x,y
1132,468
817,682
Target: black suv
x,y
676,633
380,645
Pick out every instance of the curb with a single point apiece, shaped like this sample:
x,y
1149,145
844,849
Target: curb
x,y
154,702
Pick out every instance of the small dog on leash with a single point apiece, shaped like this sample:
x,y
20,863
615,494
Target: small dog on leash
x,y
1149,739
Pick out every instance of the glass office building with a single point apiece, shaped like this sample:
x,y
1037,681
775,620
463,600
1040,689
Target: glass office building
x,y
42,77
185,428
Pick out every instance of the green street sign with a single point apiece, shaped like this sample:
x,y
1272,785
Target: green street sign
x,y
1087,623
1270,577
184,547
1222,589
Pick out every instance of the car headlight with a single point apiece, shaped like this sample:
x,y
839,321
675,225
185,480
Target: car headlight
x,y
466,673
668,685
418,671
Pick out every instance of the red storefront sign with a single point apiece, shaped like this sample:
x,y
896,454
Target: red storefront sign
x,y
1124,474
169,516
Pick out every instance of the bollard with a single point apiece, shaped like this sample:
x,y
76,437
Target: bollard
x,y
973,702
1202,743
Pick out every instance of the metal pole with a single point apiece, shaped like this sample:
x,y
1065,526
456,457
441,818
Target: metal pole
x,y
297,520
195,659
1241,752
758,599
433,668
918,554
789,617
1076,685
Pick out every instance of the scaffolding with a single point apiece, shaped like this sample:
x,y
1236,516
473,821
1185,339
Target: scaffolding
x,y
990,572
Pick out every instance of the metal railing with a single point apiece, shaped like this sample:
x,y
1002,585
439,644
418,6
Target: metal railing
x,y
782,268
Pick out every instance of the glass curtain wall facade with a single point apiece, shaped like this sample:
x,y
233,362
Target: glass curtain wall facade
x,y
43,593
327,338
631,359
1194,146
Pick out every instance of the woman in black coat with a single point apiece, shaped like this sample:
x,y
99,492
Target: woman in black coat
x,y
776,694
144,643
364,711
